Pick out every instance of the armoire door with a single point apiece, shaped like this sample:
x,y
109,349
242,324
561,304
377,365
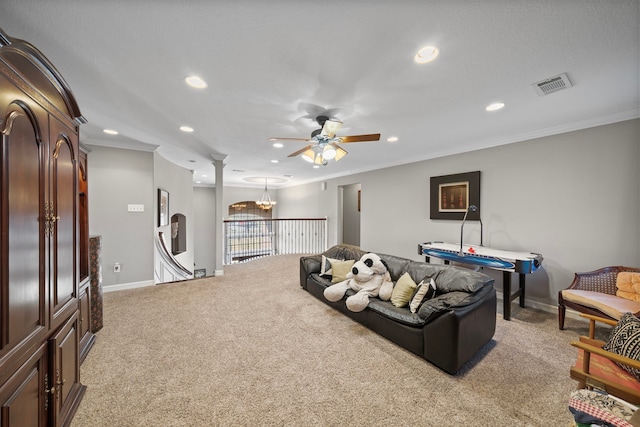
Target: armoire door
x,y
62,205
65,373
24,301
22,404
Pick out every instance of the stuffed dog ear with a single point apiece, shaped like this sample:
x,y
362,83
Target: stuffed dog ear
x,y
380,267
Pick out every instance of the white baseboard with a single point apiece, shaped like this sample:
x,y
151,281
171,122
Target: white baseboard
x,y
542,306
123,286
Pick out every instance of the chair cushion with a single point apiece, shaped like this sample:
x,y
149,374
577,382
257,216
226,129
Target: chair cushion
x,y
628,285
605,368
610,305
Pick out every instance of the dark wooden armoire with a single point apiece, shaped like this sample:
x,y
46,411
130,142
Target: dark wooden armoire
x,y
40,310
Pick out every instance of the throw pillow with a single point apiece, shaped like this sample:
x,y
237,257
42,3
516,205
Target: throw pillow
x,y
628,285
340,270
425,291
403,290
325,266
625,341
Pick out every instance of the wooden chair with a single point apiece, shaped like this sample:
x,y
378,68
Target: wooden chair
x,y
602,281
596,368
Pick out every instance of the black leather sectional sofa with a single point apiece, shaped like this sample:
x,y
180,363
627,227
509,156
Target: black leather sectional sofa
x,y
446,330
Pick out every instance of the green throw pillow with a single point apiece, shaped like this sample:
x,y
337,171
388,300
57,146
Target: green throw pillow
x,y
340,269
403,291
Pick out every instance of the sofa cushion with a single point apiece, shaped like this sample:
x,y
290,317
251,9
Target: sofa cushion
x,y
628,285
610,305
455,279
443,302
403,291
340,269
401,315
395,265
625,341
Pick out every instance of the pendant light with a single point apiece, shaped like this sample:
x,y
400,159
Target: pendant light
x,y
265,203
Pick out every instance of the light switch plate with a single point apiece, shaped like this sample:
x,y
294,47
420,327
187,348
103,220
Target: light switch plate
x,y
135,208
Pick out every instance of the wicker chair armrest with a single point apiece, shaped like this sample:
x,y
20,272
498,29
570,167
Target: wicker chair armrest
x,y
616,358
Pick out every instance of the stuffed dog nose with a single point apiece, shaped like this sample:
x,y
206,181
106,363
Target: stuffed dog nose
x,y
354,270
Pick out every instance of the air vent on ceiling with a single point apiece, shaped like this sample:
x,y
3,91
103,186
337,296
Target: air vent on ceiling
x,y
552,84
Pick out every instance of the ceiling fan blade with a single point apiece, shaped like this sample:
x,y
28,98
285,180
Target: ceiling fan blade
x,y
297,153
289,139
360,138
340,152
330,128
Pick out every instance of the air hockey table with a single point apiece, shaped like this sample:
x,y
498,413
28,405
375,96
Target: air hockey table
x,y
508,262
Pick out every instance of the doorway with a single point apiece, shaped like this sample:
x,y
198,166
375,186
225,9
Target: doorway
x,y
351,205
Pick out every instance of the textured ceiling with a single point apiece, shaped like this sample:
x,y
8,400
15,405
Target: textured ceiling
x,y
271,66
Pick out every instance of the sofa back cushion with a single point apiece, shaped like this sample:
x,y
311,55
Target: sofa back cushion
x,y
396,266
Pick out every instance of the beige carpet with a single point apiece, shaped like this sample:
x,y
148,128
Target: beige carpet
x,y
251,348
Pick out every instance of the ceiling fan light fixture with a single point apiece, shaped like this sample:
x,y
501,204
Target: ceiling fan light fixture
x,y
329,152
308,155
426,54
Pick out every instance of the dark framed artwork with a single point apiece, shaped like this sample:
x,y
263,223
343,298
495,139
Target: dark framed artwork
x,y
451,196
163,207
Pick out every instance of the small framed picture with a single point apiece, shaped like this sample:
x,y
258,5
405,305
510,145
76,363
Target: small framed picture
x,y
163,208
451,196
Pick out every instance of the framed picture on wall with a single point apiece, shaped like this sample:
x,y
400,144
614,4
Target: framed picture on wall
x,y
163,207
451,195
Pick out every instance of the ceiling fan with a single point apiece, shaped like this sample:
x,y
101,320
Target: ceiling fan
x,y
324,142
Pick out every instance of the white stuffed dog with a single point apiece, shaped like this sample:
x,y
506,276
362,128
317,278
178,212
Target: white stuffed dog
x,y
369,277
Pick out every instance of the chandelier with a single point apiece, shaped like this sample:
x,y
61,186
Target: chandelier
x,y
265,203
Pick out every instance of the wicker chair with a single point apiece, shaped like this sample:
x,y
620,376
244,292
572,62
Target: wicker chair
x,y
602,280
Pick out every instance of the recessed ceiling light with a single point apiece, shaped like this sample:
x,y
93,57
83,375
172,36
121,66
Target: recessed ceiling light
x,y
204,175
495,106
392,139
186,129
426,54
198,182
195,81
274,161
110,131
316,166
278,144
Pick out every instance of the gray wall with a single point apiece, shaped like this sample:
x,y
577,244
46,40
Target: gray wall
x,y
118,178
573,197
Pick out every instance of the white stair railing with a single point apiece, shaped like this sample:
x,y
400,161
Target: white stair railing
x,y
248,239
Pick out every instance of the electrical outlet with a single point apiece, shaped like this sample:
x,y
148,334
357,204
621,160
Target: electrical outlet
x,y
116,267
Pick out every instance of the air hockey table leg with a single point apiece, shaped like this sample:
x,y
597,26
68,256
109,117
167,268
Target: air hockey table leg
x,y
506,295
